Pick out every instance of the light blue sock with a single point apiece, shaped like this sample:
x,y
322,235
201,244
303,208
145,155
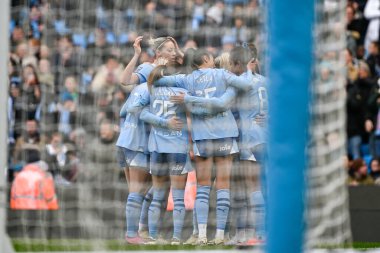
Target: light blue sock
x,y
155,211
222,208
195,222
240,207
178,212
132,212
258,213
202,203
145,208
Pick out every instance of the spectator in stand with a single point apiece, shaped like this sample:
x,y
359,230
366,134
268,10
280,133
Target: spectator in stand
x,y
45,52
20,52
352,67
17,36
153,21
375,170
78,139
97,49
65,61
102,156
55,153
373,59
67,111
240,32
210,34
30,135
107,77
31,91
198,14
356,27
358,94
71,86
252,14
190,43
35,22
45,76
34,48
360,173
372,13
15,107
70,170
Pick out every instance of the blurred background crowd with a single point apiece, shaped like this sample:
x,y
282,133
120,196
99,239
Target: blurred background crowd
x,y
65,61
66,57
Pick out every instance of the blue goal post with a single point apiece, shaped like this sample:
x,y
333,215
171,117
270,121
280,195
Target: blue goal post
x,y
290,61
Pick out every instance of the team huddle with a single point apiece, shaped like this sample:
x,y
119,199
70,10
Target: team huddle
x,y
188,109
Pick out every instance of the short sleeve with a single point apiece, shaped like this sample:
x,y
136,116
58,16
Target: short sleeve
x,y
143,71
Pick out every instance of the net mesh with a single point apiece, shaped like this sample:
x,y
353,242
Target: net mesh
x,y
327,214
90,186
69,42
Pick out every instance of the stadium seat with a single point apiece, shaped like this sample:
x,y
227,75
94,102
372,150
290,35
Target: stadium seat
x,y
123,38
79,39
60,27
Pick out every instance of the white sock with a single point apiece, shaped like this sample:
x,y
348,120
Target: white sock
x,y
240,234
219,234
202,230
142,227
250,233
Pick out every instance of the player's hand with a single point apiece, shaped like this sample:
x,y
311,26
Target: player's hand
x,y
137,45
178,50
175,123
161,61
178,99
251,65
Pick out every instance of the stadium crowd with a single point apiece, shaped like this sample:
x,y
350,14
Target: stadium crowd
x,y
65,66
363,101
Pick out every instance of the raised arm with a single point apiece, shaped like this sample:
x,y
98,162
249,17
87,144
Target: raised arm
x,y
128,78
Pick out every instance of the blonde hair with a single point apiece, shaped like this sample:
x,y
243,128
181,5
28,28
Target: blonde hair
x,y
223,61
158,43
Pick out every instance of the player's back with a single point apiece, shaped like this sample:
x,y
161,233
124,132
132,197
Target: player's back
x,y
133,132
164,140
250,104
211,83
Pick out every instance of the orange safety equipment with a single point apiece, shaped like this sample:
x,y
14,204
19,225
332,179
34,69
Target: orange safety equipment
x,y
33,189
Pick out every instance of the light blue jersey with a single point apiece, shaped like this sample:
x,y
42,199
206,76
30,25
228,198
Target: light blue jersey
x,y
250,104
163,139
143,71
209,83
133,132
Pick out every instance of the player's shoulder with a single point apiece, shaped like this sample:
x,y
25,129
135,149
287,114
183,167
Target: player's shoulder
x,y
140,88
144,66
